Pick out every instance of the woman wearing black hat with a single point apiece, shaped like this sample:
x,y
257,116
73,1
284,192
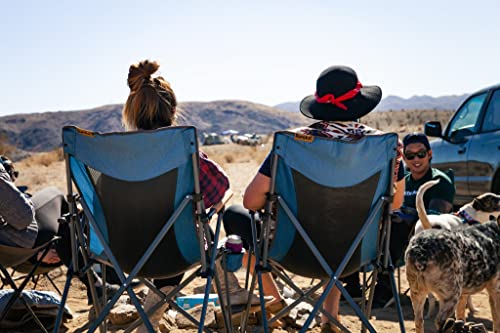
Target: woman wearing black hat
x,y
340,100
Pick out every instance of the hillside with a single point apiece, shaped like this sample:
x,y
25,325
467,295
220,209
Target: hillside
x,y
39,132
42,131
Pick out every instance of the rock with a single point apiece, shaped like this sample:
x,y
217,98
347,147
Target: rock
x,y
141,295
253,318
299,314
304,307
165,327
210,321
169,317
123,314
124,299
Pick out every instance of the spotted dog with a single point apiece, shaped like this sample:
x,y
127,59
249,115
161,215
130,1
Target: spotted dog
x,y
453,264
480,210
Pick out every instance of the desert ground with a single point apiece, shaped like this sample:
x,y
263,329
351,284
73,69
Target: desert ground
x,y
240,163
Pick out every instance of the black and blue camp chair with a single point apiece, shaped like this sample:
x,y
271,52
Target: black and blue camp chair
x,y
26,263
12,257
141,196
330,201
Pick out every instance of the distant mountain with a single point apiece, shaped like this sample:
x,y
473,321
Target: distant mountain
x,y
424,102
42,131
289,106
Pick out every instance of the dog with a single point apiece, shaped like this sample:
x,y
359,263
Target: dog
x,y
453,264
483,208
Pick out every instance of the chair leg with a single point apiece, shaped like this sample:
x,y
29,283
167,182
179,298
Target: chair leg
x,y
367,304
399,279
69,277
397,300
331,284
53,284
35,280
18,295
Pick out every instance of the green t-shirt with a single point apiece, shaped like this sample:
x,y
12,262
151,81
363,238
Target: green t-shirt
x,y
444,190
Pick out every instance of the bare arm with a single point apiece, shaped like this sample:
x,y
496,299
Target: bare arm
x,y
440,205
399,194
255,193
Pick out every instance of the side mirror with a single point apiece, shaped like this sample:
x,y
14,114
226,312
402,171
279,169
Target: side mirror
x,y
460,136
433,128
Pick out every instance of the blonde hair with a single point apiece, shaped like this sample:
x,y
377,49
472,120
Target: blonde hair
x,y
151,103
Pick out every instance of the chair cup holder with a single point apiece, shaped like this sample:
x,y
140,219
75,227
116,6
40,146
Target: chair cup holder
x,y
233,261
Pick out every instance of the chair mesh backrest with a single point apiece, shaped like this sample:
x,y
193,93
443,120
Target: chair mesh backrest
x,y
131,183
331,187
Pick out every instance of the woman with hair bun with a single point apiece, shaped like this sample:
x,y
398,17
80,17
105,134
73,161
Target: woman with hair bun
x,y
152,104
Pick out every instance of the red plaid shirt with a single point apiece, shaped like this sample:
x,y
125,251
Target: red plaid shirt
x,y
213,181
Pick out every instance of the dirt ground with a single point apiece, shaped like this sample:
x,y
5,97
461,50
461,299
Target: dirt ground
x,y
240,169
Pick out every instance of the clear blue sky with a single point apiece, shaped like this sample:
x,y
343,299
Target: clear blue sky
x,y
70,55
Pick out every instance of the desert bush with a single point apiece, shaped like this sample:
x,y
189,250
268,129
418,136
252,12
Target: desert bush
x,y
5,148
45,159
234,153
405,121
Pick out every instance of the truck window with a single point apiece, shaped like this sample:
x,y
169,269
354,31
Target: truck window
x,y
466,117
492,117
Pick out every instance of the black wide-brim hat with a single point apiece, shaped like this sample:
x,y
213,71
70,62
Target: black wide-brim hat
x,y
340,82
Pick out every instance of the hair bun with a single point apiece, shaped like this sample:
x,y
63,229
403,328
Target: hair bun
x,y
137,73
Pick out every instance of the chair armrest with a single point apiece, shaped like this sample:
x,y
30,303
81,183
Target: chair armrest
x,y
220,205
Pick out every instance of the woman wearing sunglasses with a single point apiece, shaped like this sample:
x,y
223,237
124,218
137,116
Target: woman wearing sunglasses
x,y
417,155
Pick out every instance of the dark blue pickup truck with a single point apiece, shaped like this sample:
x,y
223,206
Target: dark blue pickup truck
x,y
470,145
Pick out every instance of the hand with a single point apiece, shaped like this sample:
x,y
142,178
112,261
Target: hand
x,y
50,258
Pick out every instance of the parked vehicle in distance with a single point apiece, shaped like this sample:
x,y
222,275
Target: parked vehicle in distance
x,y
213,139
470,145
247,139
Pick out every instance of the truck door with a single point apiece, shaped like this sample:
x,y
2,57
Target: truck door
x,y
458,137
484,149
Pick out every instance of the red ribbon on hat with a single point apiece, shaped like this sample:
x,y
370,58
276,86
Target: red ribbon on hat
x,y
337,101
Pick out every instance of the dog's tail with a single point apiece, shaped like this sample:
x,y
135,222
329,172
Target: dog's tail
x,y
419,203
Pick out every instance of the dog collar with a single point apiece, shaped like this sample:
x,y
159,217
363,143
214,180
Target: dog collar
x,y
466,218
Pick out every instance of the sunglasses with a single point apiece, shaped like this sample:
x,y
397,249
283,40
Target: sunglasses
x,y
419,154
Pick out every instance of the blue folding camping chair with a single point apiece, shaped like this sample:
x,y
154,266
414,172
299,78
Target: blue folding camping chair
x,y
329,204
141,197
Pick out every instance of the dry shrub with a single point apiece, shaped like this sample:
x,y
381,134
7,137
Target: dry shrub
x,y
405,121
234,153
5,148
36,180
258,154
45,159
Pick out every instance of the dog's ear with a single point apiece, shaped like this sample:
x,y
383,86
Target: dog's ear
x,y
477,203
486,202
